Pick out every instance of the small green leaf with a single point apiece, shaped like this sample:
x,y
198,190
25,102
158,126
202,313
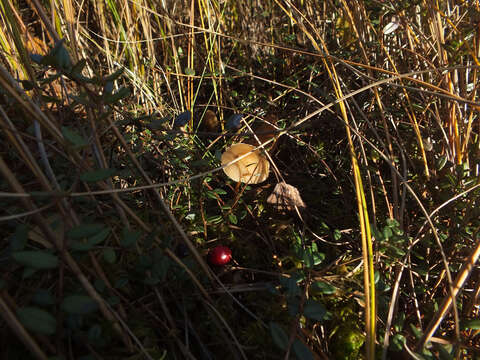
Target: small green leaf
x,y
36,259
441,161
157,124
81,99
189,71
28,272
301,350
99,238
129,237
445,351
182,119
416,331
79,66
233,219
279,336
79,304
110,255
314,310
123,92
211,194
291,285
322,287
84,230
215,219
36,58
73,137
79,245
114,75
398,341
43,297
37,320
108,88
151,281
94,332
97,175
387,232
337,235
234,122
19,238
63,59
120,283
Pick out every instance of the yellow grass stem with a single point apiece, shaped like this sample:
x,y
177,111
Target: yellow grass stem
x,y
367,245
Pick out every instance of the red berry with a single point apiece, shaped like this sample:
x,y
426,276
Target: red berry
x,y
220,255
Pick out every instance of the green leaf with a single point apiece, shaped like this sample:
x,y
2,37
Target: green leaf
x,y
114,75
36,259
73,137
279,336
36,58
81,99
337,235
99,238
108,88
79,304
387,232
79,66
152,281
441,162
85,230
471,324
291,284
233,219
59,56
314,310
323,288
78,245
43,297
211,194
182,119
94,332
123,92
416,331
28,272
97,175
157,124
215,219
234,122
445,351
110,255
302,352
37,320
63,59
398,341
189,71
129,237
19,238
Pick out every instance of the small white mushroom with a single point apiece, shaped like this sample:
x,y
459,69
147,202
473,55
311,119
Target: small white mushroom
x,y
252,169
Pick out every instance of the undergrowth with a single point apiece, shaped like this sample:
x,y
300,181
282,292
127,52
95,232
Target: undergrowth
x,y
113,120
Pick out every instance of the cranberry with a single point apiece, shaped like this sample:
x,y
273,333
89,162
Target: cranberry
x,y
220,255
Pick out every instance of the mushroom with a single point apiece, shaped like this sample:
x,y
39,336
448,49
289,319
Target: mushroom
x,y
252,169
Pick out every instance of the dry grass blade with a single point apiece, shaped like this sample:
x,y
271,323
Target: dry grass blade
x,y
446,305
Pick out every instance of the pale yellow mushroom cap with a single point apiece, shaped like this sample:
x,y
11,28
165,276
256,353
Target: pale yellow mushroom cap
x,y
252,169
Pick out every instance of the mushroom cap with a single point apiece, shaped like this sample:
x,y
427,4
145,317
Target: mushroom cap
x,y
252,169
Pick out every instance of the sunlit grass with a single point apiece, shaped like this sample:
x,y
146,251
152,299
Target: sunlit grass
x,y
114,192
